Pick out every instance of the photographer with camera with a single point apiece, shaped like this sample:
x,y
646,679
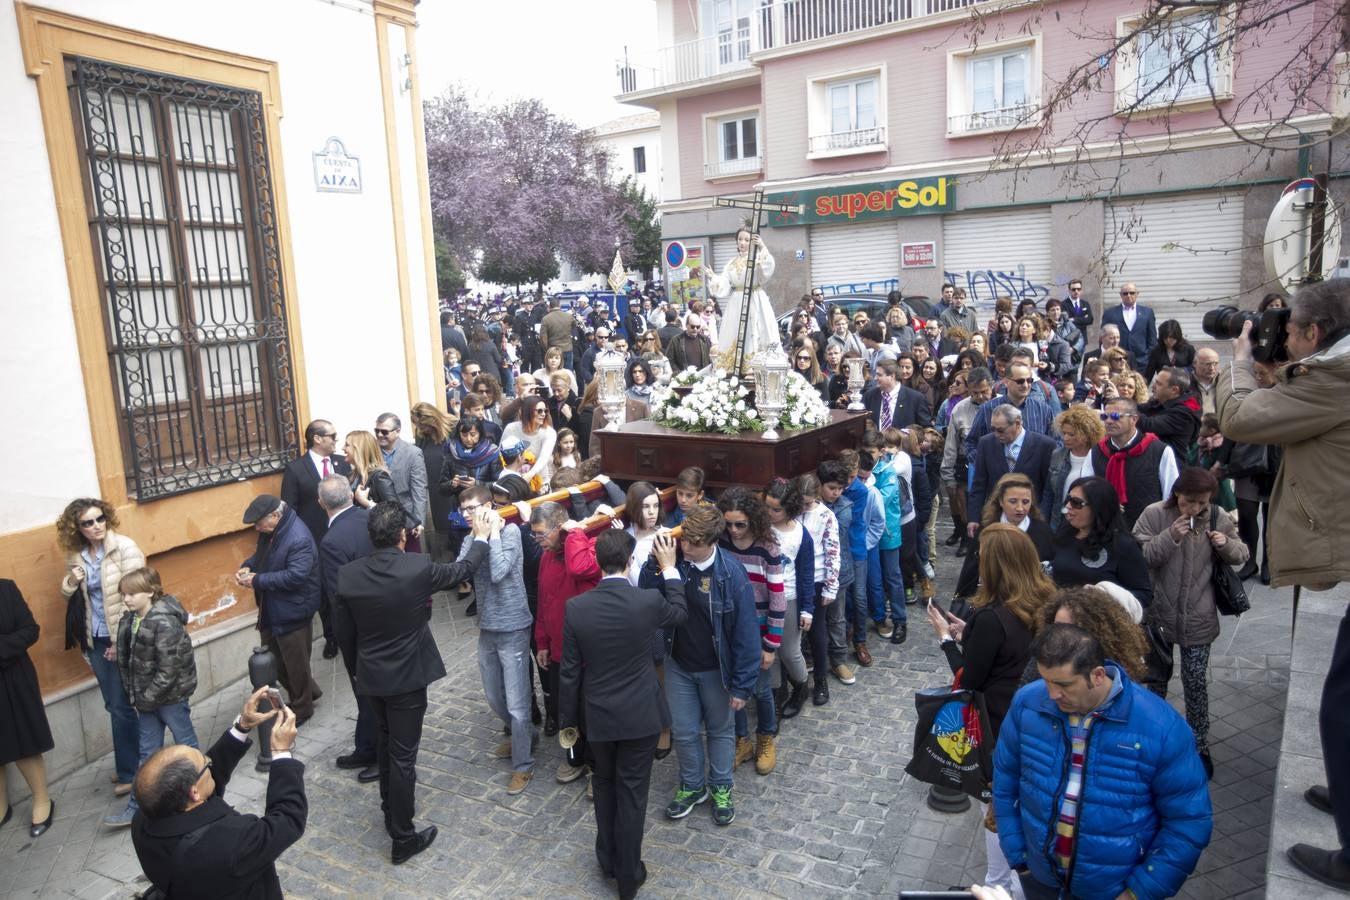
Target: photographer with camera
x,y
1304,412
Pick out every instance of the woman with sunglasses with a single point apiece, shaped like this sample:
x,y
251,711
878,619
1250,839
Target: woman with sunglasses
x,y
535,428
1093,545
804,363
749,540
97,557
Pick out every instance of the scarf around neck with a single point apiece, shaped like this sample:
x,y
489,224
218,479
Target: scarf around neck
x,y
1116,458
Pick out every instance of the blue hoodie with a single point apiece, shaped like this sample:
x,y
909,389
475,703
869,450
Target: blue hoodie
x,y
869,518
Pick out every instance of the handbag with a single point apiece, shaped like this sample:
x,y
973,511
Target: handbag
x,y
953,741
1229,595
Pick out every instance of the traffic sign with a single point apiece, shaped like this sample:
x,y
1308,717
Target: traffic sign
x,y
675,254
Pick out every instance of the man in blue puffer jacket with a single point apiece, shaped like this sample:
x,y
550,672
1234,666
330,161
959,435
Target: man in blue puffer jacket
x,y
1098,789
283,576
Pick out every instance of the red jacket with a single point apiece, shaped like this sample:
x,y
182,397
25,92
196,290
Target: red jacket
x,y
563,576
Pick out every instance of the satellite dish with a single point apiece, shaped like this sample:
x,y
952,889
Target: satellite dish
x,y
1288,241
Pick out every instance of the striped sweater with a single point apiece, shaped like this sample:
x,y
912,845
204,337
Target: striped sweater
x,y
763,563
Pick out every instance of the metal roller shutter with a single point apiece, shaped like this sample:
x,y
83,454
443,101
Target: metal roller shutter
x,y
998,254
723,250
862,258
1184,253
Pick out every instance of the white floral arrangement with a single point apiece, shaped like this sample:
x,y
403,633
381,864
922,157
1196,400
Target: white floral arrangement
x,y
718,402
804,407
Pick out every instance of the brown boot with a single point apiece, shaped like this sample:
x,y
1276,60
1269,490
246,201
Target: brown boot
x,y
766,756
863,654
745,749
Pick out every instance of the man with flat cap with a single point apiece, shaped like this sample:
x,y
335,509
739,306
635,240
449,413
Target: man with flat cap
x,y
283,577
190,842
381,616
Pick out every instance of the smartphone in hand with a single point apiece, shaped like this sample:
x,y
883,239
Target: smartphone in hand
x,y
934,604
274,698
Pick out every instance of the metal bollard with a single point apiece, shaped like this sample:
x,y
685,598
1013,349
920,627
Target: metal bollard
x,y
262,670
946,800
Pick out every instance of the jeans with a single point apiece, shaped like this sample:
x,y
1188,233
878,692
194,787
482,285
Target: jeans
x,y
876,587
125,731
857,601
766,717
895,590
834,621
177,717
699,699
504,664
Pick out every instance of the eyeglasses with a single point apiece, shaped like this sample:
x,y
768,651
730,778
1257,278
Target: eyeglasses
x,y
96,520
1001,431
543,535
468,509
1076,290
804,358
203,770
738,525
1075,502
1021,381
1115,416
1128,293
385,432
331,434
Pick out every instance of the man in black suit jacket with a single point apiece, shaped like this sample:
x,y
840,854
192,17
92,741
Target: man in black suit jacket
x,y
907,406
381,614
1076,306
300,490
347,538
611,636
190,842
1030,451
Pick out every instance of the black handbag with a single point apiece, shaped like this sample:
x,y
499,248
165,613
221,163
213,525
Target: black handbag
x,y
953,741
1229,594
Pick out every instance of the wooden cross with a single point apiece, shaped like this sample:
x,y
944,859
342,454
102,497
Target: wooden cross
x,y
758,205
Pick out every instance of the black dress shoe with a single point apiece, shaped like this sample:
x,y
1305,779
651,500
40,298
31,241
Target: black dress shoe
x,y
1265,573
550,726
953,539
368,774
1318,797
329,649
39,827
961,549
9,814
641,880
355,760
1248,571
406,849
471,609
1324,865
662,752
901,632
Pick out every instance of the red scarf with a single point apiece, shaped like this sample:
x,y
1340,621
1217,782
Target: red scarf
x,y
1115,462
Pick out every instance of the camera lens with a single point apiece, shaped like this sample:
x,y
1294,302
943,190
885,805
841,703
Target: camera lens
x,y
1225,322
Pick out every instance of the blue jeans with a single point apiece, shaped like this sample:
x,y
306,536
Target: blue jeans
x,y
504,665
766,717
857,601
698,699
895,588
177,717
126,742
877,593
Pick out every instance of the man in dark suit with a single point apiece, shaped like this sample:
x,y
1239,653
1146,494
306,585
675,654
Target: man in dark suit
x,y
381,616
300,490
1138,326
610,640
190,842
892,405
347,538
1007,448
690,347
1076,307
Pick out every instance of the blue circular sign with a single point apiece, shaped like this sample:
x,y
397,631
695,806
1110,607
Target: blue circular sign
x,y
675,254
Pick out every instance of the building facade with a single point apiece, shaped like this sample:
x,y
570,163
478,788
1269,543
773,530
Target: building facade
x,y
896,124
216,227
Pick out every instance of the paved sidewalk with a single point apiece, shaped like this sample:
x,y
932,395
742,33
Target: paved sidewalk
x,y
838,818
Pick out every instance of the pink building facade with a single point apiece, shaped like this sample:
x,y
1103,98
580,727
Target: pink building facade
x,y
927,142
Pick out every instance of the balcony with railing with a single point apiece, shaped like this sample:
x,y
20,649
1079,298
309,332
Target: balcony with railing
x,y
1008,118
862,140
775,24
733,168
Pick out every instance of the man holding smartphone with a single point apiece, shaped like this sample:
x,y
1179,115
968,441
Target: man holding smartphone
x,y
190,842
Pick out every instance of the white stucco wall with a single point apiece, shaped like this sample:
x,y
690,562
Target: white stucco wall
x,y
342,245
621,145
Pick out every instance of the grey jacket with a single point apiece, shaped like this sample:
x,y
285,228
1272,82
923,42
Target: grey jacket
x,y
408,470
1183,597
499,587
156,662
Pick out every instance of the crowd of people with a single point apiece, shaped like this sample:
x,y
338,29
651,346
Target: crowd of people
x,y
1089,493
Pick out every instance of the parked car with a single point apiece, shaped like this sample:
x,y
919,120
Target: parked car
x,y
874,305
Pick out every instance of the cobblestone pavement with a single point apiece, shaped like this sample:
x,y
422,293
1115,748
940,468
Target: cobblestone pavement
x,y
838,817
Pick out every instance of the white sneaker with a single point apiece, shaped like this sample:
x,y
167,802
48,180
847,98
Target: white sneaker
x,y
928,570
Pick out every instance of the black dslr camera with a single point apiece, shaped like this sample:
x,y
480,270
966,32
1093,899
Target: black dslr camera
x,y
1268,332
